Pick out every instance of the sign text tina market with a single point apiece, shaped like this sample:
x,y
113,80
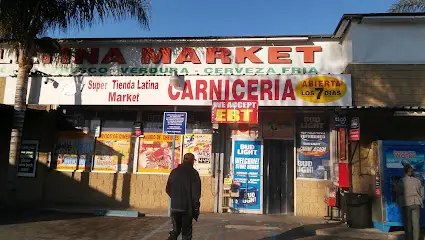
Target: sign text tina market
x,y
253,60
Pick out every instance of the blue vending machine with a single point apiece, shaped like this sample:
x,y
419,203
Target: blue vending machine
x,y
392,156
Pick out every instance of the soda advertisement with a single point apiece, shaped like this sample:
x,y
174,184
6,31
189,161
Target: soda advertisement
x,y
200,146
74,151
247,175
313,155
395,156
113,152
399,156
155,153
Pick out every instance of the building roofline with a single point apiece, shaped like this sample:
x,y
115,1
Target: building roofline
x,y
346,19
274,38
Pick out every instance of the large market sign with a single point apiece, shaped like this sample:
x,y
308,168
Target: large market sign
x,y
320,57
283,90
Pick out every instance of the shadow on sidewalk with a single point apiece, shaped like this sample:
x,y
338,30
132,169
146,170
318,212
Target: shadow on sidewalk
x,y
301,232
29,215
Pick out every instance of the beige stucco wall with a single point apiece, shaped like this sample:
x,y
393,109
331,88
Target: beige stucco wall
x,y
310,198
137,191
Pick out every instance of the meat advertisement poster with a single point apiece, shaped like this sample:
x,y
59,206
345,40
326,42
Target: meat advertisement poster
x,y
313,155
200,146
155,153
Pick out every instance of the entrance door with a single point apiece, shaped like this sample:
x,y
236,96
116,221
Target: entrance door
x,y
278,177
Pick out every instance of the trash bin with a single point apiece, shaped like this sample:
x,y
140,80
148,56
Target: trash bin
x,y
359,210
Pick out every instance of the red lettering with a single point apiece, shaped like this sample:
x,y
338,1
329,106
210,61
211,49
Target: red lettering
x,y
47,58
188,55
65,56
226,90
149,56
276,88
266,88
215,90
288,91
279,55
218,53
201,88
252,89
171,94
113,55
309,52
235,94
187,92
91,57
242,54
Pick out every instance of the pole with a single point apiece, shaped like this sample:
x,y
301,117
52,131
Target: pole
x,y
173,146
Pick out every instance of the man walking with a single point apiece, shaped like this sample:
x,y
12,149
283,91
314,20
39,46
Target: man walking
x,y
184,189
411,195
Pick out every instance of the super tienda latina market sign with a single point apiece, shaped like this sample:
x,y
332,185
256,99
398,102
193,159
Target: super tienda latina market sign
x,y
315,58
283,90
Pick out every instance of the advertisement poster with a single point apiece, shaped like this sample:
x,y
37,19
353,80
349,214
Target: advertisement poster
x,y
112,152
28,158
313,155
399,156
155,153
354,133
247,174
74,151
200,146
226,111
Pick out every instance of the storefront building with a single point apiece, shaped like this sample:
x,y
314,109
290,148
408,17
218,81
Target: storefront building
x,y
260,111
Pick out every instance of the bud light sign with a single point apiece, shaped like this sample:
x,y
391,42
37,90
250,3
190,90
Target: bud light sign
x,y
247,175
313,153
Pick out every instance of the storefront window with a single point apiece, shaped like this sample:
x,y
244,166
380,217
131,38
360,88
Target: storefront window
x,y
155,148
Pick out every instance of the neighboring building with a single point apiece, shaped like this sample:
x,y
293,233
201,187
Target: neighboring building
x,y
282,140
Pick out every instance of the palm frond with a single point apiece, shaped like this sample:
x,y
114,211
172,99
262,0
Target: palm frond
x,y
25,20
84,13
408,6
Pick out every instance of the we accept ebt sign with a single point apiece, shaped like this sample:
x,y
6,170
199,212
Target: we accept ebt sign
x,y
247,167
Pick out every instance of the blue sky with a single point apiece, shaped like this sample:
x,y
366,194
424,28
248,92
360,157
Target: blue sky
x,y
175,18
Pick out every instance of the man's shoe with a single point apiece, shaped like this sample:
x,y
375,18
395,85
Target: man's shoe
x,y
172,236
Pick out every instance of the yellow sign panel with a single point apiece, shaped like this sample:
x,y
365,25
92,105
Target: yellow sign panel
x,y
321,89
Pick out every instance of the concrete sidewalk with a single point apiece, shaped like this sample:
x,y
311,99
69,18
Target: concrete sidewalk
x,y
341,231
65,225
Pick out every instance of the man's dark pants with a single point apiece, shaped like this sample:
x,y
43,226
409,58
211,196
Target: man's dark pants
x,y
182,223
411,215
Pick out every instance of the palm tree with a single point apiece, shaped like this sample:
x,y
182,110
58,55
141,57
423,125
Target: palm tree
x,y
408,6
23,26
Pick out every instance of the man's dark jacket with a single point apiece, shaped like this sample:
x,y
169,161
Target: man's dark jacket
x,y
184,188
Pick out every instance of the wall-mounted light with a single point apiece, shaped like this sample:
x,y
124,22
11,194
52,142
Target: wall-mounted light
x,y
176,81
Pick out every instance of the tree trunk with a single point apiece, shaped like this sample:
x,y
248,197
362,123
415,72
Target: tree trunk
x,y
25,64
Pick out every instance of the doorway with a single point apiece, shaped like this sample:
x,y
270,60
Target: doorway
x,y
278,176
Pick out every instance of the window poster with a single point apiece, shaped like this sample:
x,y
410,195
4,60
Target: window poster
x,y
155,153
313,154
200,146
74,150
247,166
112,152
